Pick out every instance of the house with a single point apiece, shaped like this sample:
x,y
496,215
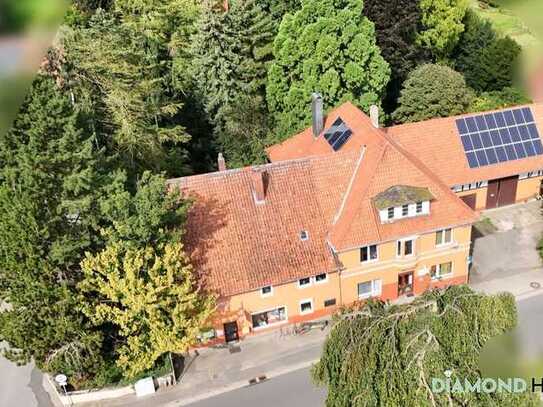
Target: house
x,y
347,210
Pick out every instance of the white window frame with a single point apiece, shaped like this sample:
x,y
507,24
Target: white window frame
x,y
376,289
266,295
438,275
421,203
402,209
272,324
443,242
391,209
370,260
306,235
400,243
305,285
322,281
307,300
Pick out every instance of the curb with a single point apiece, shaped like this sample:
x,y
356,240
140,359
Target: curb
x,y
240,384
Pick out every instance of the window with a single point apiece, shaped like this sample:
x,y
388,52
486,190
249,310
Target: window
x,y
329,303
404,247
265,318
419,207
266,291
470,187
304,235
368,253
443,236
368,289
304,282
441,270
306,306
321,278
405,210
390,213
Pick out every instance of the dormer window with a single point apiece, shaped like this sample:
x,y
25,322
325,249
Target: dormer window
x,y
390,213
402,201
304,235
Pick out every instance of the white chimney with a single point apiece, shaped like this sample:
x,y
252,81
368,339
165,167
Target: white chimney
x,y
317,114
221,162
374,116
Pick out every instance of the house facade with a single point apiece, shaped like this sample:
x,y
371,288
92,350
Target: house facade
x,y
347,211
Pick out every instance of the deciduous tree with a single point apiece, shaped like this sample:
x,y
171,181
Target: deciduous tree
x,y
432,91
442,21
327,46
151,295
402,347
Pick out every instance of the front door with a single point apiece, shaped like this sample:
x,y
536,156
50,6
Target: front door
x,y
231,332
492,194
405,283
470,200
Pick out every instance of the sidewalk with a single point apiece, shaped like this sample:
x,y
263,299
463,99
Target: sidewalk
x,y
216,371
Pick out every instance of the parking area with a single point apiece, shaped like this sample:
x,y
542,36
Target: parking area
x,y
506,259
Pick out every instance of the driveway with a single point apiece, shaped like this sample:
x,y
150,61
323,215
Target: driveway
x,y
507,259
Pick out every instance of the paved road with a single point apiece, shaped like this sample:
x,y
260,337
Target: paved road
x,y
291,389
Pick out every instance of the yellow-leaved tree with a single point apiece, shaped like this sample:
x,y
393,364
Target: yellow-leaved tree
x,y
151,296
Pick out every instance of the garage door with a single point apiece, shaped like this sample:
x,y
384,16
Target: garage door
x,y
501,192
470,200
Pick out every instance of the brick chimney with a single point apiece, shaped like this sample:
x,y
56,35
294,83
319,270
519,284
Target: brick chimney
x,y
374,116
221,162
317,114
259,180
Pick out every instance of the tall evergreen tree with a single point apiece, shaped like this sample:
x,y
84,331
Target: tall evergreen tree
x,y
124,76
232,49
397,23
328,46
49,175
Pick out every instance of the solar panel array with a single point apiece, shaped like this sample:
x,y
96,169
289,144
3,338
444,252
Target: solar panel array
x,y
497,137
338,134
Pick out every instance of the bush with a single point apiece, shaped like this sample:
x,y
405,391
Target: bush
x,y
432,91
500,99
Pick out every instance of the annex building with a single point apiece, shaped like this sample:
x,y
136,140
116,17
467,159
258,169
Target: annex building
x,y
347,210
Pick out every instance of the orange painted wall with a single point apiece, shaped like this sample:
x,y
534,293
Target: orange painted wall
x,y
343,286
528,188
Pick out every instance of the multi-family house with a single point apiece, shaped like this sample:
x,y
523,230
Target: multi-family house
x,y
347,210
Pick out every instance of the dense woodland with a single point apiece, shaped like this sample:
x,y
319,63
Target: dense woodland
x,y
137,91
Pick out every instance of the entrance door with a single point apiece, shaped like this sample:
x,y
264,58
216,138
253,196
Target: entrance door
x,y
470,200
508,191
405,283
492,194
501,192
231,332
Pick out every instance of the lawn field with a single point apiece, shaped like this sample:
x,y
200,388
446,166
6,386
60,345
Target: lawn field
x,y
522,21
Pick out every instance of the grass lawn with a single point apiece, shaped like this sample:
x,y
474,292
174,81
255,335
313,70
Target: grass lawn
x,y
521,20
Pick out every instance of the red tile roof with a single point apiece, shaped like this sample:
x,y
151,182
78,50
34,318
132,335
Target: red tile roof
x,y
238,245
437,144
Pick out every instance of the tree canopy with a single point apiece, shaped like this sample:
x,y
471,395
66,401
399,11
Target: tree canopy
x,y
328,47
432,91
442,21
151,295
381,355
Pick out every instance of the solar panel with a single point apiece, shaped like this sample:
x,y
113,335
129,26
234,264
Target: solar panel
x,y
501,136
338,134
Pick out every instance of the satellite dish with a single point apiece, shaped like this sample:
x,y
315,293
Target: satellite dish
x,y
61,379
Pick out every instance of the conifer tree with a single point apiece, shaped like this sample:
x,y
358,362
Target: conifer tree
x,y
232,50
49,177
328,46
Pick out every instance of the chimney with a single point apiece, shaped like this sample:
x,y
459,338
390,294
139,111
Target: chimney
x,y
317,114
226,5
374,116
259,184
221,162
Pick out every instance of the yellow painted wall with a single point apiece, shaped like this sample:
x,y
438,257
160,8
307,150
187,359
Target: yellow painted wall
x,y
528,188
481,196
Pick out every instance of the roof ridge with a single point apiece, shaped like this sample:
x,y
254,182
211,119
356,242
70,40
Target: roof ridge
x,y
349,187
275,164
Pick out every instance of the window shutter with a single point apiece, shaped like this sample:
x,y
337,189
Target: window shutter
x,y
377,287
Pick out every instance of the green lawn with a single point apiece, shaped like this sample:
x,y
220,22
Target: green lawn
x,y
521,20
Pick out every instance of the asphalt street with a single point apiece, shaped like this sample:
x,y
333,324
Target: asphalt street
x,y
291,389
